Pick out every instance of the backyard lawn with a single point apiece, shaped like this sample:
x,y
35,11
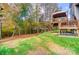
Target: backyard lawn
x,y
44,43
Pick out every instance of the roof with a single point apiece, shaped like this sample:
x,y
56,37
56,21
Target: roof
x,y
77,4
59,14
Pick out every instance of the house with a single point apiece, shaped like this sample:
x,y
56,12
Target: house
x,y
65,26
57,16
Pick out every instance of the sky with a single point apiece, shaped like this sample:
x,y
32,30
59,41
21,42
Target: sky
x,y
65,7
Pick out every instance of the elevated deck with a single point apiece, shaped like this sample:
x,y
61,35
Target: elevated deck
x,y
68,27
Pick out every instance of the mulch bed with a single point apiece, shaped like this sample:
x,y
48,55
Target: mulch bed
x,y
17,37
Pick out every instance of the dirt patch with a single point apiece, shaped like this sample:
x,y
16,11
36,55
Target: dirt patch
x,y
13,42
17,37
58,49
39,51
38,39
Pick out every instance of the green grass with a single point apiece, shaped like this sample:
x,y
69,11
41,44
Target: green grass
x,y
4,50
68,42
55,31
22,48
31,44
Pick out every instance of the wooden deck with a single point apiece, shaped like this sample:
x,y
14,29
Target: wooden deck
x,y
68,27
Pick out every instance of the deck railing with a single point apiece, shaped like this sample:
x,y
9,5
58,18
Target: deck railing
x,y
68,27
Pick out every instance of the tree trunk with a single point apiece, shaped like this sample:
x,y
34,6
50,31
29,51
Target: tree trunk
x,y
14,31
0,29
25,31
19,32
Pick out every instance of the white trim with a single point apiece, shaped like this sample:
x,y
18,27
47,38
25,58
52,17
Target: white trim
x,y
59,12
